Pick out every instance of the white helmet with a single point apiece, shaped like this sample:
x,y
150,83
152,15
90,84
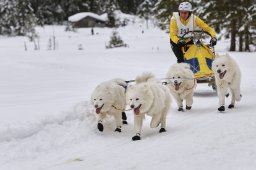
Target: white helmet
x,y
185,6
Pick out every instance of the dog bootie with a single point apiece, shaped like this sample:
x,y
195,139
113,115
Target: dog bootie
x,y
136,137
124,118
231,106
118,129
180,109
162,130
100,127
221,108
188,107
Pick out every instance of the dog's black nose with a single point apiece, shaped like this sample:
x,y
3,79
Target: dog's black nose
x,y
96,106
218,71
175,81
132,106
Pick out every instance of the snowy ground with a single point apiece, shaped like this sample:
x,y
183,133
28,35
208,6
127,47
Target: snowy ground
x,y
47,122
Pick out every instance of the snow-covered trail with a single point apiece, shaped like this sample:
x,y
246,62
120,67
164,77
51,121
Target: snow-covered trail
x,y
196,138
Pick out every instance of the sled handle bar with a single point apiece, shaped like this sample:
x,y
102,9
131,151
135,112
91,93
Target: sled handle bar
x,y
196,31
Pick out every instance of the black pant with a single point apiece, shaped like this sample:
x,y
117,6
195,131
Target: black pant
x,y
177,51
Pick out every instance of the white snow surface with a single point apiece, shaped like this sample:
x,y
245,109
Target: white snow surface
x,y
48,123
81,15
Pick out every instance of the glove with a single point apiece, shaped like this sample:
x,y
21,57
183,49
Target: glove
x,y
181,43
213,41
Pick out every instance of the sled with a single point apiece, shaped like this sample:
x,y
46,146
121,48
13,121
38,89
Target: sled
x,y
199,56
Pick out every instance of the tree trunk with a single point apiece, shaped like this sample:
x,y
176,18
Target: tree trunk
x,y
246,39
233,36
241,41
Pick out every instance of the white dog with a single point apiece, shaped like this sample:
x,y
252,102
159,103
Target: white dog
x,y
148,96
227,76
108,98
182,84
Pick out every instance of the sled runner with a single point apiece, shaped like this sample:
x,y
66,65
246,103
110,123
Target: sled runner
x,y
200,56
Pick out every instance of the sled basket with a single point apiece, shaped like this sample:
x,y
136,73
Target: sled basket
x,y
199,56
200,59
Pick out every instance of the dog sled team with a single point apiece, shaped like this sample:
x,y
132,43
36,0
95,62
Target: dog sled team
x,y
151,96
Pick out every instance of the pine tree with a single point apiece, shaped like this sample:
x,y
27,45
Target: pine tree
x,y
111,6
145,10
235,17
16,17
35,4
163,11
43,11
7,16
25,17
115,41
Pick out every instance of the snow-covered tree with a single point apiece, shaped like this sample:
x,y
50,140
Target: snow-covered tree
x,y
26,17
233,20
163,11
115,41
111,6
16,17
7,16
145,10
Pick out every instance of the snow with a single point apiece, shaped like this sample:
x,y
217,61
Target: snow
x,y
47,121
81,15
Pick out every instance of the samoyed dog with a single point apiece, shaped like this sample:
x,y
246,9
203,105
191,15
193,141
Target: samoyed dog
x,y
182,84
228,77
148,96
108,98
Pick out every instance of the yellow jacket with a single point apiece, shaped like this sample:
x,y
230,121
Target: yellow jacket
x,y
199,23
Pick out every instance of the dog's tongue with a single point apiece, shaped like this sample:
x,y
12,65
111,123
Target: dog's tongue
x,y
177,87
98,110
221,75
137,110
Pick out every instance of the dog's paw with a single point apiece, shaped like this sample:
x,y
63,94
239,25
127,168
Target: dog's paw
x,y
125,122
136,137
231,106
188,107
221,108
181,109
227,95
118,130
162,130
100,127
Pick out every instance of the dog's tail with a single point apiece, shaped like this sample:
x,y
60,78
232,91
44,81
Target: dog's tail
x,y
144,77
